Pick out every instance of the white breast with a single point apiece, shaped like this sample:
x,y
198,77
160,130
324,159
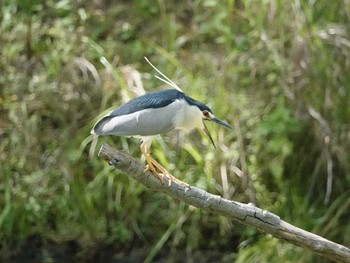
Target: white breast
x,y
188,117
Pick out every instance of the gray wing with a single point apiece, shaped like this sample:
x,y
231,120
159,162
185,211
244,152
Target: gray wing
x,y
138,119
145,122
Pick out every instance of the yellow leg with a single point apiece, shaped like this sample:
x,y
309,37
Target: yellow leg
x,y
153,165
149,161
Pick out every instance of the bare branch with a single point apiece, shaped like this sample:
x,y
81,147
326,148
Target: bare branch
x,y
246,214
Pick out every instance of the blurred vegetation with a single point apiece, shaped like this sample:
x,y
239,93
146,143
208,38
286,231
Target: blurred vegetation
x,y
278,71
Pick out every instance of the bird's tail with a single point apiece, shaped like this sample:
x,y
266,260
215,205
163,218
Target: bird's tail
x,y
99,128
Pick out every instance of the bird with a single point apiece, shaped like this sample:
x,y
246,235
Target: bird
x,y
154,113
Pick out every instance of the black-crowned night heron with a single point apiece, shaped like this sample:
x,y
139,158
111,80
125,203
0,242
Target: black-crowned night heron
x,y
156,113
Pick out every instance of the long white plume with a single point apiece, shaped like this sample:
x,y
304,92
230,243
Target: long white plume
x,y
166,79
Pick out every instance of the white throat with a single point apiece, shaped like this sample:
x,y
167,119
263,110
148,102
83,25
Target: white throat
x,y
188,117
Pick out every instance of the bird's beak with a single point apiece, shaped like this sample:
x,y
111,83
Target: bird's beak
x,y
223,123
206,131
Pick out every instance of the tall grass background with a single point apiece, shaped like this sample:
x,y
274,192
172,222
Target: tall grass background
x,y
278,71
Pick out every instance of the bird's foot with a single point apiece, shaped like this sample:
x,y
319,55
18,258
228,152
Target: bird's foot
x,y
164,173
154,172
173,178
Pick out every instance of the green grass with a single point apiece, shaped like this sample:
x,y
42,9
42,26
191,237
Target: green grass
x,y
276,71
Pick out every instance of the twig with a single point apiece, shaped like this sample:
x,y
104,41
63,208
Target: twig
x,y
247,214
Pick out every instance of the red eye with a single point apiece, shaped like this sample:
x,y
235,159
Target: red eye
x,y
206,114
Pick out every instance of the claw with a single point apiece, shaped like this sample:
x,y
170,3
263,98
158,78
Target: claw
x,y
153,166
154,171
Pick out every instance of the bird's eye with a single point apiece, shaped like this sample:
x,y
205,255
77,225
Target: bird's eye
x,y
206,114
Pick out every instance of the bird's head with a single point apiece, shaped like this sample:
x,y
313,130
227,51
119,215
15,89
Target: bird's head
x,y
209,116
